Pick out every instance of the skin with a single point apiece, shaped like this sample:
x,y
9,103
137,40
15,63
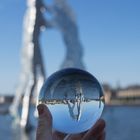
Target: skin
x,y
45,131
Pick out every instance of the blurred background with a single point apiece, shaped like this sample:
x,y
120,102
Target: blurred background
x,y
109,32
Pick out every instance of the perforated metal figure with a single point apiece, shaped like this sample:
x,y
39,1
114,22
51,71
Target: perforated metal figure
x,y
33,73
75,105
64,20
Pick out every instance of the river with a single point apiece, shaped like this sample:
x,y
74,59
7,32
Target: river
x,y
122,123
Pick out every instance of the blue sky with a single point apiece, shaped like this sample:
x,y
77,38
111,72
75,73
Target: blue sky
x,y
109,31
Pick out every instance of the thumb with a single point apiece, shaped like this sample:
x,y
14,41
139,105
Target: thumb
x,y
44,128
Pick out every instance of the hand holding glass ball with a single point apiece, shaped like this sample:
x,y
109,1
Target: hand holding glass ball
x,y
75,100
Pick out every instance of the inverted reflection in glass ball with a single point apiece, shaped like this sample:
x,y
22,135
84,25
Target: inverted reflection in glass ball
x,y
74,98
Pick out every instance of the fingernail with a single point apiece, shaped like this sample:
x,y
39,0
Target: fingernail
x,y
40,110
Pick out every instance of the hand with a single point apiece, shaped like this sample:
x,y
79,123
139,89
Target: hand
x,y
45,132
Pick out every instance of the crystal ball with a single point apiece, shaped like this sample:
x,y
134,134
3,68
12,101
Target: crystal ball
x,y
75,99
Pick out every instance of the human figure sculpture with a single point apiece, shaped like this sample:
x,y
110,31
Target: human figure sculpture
x,y
64,20
75,105
33,72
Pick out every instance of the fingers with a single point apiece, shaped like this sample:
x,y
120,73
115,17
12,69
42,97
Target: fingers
x,y
44,129
96,132
78,136
73,137
58,135
101,136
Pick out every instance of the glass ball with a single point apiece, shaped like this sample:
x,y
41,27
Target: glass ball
x,y
75,99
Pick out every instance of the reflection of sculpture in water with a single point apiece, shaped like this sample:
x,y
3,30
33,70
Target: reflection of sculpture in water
x,y
65,21
33,73
74,106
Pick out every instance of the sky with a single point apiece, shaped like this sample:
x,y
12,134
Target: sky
x,y
109,31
